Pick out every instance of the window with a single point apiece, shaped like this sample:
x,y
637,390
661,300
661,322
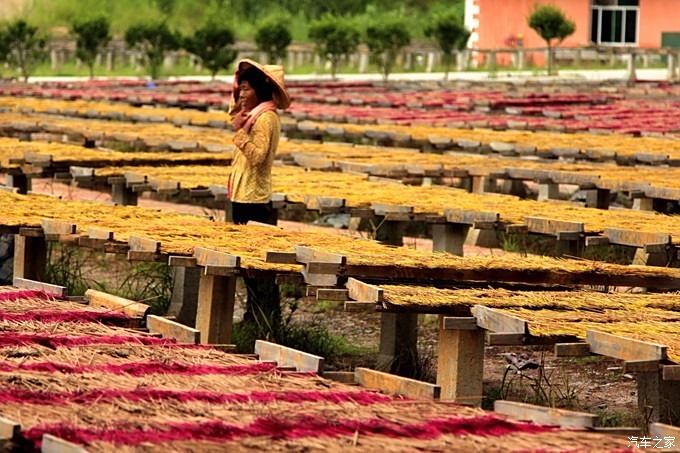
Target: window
x,y
614,22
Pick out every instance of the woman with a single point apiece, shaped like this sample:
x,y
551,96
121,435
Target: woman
x,y
258,91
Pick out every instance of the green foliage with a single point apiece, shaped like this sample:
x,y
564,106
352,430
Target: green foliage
x,y
551,24
334,37
153,40
449,34
27,47
166,7
91,36
213,45
385,38
273,37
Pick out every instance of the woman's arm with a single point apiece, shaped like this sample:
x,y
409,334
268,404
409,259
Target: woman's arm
x,y
255,146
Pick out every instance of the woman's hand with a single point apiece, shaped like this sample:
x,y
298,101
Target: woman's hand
x,y
239,120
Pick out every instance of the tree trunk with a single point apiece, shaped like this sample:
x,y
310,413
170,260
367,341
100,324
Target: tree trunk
x,y
550,59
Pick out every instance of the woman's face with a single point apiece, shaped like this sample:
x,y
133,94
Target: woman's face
x,y
247,97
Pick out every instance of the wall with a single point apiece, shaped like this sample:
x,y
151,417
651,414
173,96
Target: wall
x,y
657,16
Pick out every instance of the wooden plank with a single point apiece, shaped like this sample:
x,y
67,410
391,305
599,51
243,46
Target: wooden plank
x,y
172,329
546,415
53,444
134,255
593,241
9,429
382,209
31,232
363,292
627,431
470,217
215,309
641,366
332,294
497,321
208,257
285,356
182,261
98,233
572,349
281,257
345,377
59,291
316,203
460,323
624,348
220,270
360,307
505,339
662,430
671,373
115,303
142,244
542,225
308,254
635,238
57,227
396,385
314,267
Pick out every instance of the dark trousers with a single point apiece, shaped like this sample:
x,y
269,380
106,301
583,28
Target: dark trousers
x,y
263,304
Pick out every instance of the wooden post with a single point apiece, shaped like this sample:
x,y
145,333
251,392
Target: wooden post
x,y
514,187
483,183
662,396
632,76
644,258
548,190
184,300
398,352
482,238
121,194
19,180
460,364
643,204
30,257
391,232
449,237
597,198
672,62
215,310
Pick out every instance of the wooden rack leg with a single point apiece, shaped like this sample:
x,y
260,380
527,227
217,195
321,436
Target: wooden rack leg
x,y
548,191
569,247
514,187
398,343
391,232
662,396
215,311
19,180
30,257
597,198
460,364
449,237
644,258
482,238
643,204
122,195
483,183
184,301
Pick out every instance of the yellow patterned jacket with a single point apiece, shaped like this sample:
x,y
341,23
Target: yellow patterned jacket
x,y
251,168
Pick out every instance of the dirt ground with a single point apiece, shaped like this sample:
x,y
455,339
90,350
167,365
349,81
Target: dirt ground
x,y
593,384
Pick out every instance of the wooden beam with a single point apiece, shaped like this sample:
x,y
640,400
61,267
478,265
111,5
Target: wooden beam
x,y
546,415
53,227
505,339
115,303
208,257
182,261
345,377
634,238
314,267
542,225
59,291
285,356
396,385
467,217
9,429
624,348
671,373
332,294
572,349
663,430
98,233
142,244
172,329
460,323
281,257
497,321
53,444
307,254
360,307
641,366
363,292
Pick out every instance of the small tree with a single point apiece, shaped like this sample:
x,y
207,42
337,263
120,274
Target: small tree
x,y
213,45
4,48
153,40
450,35
385,38
552,25
26,47
91,37
273,37
334,37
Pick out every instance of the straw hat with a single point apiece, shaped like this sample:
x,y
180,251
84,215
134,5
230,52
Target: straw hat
x,y
271,71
